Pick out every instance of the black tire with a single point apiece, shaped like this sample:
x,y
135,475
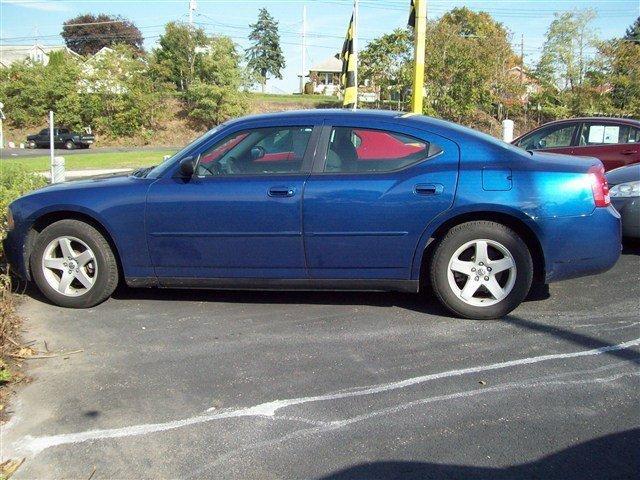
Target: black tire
x,y
69,145
106,278
31,144
478,230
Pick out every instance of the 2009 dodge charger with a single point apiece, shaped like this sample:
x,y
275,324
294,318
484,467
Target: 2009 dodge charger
x,y
323,199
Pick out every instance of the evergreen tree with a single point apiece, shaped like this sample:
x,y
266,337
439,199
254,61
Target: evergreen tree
x,y
265,57
633,32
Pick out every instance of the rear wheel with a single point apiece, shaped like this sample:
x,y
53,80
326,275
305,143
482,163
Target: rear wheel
x,y
73,265
31,144
481,270
69,145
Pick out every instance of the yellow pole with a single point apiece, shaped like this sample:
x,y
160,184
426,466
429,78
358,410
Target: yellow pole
x,y
420,31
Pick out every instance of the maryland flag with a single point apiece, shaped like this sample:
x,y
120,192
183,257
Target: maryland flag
x,y
412,15
348,76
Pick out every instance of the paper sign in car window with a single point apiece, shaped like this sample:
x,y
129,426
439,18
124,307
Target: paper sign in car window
x,y
611,133
596,134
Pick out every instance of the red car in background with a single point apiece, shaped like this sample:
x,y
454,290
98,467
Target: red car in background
x,y
614,141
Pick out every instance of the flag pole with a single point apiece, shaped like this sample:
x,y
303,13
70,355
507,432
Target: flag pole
x,y
420,32
355,49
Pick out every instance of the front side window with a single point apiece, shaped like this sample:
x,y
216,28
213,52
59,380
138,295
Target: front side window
x,y
365,150
555,136
257,151
602,134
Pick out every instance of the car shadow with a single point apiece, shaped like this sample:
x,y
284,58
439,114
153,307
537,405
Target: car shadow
x,y
611,456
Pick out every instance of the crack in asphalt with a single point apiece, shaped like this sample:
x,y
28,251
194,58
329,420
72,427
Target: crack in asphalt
x,y
33,445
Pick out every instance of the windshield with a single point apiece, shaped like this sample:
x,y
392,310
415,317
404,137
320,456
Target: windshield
x,y
160,169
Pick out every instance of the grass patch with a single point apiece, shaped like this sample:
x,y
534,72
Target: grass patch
x,y
88,161
307,100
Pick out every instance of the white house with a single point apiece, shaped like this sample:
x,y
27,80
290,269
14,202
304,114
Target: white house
x,y
37,53
325,76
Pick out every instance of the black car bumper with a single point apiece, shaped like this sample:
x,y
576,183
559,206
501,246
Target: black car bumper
x,y
629,209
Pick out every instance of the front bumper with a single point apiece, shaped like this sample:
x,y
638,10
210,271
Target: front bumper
x,y
581,246
14,246
629,209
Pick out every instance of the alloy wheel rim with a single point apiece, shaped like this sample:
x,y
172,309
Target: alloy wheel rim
x,y
482,272
69,266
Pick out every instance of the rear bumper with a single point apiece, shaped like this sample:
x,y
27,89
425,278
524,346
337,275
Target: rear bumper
x,y
629,209
580,246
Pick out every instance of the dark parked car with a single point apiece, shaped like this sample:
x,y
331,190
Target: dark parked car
x,y
614,141
624,189
62,138
292,201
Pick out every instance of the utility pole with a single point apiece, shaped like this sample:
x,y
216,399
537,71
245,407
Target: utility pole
x,y
420,32
521,58
192,6
355,49
303,71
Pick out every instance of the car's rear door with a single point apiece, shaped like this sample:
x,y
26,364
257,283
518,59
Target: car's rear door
x,y
240,216
615,144
370,196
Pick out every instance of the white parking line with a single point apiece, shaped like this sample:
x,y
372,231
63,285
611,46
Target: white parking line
x,y
34,445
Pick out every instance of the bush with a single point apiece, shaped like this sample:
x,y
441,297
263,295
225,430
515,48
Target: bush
x,y
14,182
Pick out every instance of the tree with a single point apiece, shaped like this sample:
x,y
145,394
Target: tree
x,y
387,62
215,94
564,60
179,57
468,55
265,57
620,69
633,32
87,34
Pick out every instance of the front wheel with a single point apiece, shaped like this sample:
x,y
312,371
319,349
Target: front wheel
x,y
73,265
481,270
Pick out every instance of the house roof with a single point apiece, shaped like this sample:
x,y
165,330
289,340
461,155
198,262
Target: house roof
x,y
15,53
329,64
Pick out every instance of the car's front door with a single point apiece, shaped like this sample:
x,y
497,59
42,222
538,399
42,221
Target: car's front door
x,y
615,144
371,195
556,138
240,215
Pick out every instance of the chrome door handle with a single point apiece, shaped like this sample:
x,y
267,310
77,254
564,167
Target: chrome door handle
x,y
629,152
282,192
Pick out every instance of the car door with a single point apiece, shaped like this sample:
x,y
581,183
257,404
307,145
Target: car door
x,y
614,144
370,196
240,215
557,138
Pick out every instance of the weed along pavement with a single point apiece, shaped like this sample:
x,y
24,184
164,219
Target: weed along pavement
x,y
205,384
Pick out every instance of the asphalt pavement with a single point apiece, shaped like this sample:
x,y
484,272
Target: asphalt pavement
x,y
206,384
39,152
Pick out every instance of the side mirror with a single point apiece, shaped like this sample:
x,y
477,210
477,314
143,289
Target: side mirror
x,y
187,167
257,152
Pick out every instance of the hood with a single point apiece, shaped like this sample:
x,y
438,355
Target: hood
x,y
630,173
97,182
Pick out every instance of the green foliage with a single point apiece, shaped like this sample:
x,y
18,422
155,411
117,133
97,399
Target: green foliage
x,y
619,69
120,96
633,32
210,104
564,60
387,62
179,57
87,34
468,55
265,56
14,182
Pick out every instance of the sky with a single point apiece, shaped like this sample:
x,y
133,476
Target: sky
x,y
31,21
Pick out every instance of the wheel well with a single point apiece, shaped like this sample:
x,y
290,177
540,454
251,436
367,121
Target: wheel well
x,y
522,229
50,218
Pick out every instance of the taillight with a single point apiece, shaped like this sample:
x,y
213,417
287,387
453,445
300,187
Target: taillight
x,y
599,186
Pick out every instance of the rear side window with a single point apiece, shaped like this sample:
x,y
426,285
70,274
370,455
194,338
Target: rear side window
x,y
367,150
607,134
554,136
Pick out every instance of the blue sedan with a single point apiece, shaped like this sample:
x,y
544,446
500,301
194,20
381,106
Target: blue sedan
x,y
336,200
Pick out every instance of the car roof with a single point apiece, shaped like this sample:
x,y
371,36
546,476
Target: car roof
x,y
441,127
628,121
628,173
